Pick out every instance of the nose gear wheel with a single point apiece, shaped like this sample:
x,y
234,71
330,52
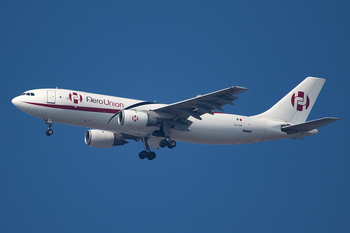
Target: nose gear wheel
x,y
49,131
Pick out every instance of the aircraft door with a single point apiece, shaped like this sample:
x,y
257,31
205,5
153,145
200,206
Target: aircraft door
x,y
247,136
247,125
51,97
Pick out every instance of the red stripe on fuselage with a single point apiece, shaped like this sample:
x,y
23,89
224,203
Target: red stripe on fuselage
x,y
77,108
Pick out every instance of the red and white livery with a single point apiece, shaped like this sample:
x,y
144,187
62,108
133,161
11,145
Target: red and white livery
x,y
114,120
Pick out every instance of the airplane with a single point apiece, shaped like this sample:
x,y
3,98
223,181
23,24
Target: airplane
x,y
114,120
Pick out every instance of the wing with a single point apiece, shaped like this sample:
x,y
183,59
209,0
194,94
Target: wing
x,y
200,105
176,115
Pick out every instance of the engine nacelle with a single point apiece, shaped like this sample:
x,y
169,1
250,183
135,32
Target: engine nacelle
x,y
133,118
102,139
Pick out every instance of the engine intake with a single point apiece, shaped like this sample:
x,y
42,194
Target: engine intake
x,y
133,118
102,139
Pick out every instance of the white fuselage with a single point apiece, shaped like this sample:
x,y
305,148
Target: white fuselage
x,y
95,111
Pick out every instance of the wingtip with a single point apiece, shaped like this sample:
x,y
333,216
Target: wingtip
x,y
244,88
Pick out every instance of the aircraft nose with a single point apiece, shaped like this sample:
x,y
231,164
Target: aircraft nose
x,y
15,101
18,102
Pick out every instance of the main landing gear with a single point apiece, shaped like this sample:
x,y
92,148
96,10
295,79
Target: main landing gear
x,y
150,155
164,131
49,131
167,142
147,153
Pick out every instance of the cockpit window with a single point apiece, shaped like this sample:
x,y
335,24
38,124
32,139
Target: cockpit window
x,y
28,93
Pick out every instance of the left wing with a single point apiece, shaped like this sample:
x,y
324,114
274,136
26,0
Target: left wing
x,y
202,104
176,115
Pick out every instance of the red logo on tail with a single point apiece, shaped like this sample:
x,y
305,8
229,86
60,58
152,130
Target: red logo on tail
x,y
301,101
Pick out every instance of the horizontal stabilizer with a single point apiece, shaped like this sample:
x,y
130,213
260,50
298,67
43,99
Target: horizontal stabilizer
x,y
310,125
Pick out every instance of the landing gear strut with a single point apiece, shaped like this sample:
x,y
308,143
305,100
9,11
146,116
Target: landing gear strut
x,y
49,131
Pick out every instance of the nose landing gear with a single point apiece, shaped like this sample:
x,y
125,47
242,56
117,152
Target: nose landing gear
x,y
49,131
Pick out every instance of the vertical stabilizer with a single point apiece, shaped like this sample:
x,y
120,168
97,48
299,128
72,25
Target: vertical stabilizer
x,y
296,106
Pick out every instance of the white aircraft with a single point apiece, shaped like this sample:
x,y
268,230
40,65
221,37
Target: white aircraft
x,y
115,120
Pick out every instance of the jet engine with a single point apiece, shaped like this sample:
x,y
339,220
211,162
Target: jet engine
x,y
102,139
133,118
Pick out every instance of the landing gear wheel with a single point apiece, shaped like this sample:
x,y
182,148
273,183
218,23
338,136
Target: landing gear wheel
x,y
151,155
147,153
171,144
49,132
143,154
163,143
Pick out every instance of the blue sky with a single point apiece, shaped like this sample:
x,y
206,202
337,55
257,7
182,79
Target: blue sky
x,y
168,52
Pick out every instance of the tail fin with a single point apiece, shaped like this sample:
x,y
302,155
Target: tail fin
x,y
297,104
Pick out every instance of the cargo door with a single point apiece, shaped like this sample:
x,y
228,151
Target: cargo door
x,y
51,97
247,135
247,125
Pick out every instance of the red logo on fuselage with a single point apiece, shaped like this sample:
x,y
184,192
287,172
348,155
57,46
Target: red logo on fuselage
x,y
75,97
301,101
